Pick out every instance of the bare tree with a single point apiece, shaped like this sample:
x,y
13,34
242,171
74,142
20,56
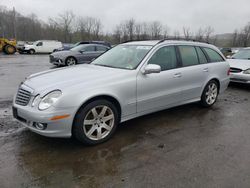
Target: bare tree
x,y
187,33
118,34
66,20
208,31
176,34
155,29
246,35
130,27
166,31
235,38
200,34
97,27
138,30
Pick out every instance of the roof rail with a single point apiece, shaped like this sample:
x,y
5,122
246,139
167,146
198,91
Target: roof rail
x,y
182,39
170,38
137,40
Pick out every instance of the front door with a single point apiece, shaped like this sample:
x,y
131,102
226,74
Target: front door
x,y
160,90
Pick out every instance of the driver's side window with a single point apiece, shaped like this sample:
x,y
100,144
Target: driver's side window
x,y
39,44
165,57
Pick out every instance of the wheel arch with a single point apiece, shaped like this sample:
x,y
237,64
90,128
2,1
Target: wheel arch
x,y
217,81
212,79
70,57
99,97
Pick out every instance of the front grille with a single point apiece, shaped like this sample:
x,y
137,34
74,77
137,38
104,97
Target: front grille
x,y
235,70
23,97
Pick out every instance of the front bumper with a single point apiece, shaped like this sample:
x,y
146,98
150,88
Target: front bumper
x,y
240,78
56,61
28,116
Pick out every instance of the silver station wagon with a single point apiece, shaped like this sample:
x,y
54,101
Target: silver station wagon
x,y
132,79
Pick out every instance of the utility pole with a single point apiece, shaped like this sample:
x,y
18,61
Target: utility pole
x,y
14,23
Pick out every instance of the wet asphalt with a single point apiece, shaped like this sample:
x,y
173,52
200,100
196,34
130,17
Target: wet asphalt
x,y
187,146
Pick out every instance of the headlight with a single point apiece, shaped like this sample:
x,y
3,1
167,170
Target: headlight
x,y
49,100
246,71
35,101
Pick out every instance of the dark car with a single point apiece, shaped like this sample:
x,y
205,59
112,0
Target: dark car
x,y
226,51
83,53
70,46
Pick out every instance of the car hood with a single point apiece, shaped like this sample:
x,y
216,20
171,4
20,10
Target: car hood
x,y
86,75
65,53
239,63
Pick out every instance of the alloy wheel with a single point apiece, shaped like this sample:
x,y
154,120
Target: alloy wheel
x,y
211,93
98,122
71,61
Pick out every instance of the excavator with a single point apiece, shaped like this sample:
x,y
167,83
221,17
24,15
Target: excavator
x,y
8,46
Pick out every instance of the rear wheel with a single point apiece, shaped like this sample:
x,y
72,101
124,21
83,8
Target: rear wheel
x,y
96,122
9,49
210,94
70,61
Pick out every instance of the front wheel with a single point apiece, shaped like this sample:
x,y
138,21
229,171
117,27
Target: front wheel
x,y
70,61
96,122
9,49
210,94
31,51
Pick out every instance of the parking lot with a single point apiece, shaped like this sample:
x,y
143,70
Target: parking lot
x,y
188,146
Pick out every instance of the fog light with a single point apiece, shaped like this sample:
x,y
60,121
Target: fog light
x,y
40,126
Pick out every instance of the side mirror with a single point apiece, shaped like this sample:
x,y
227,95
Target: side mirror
x,y
151,68
82,51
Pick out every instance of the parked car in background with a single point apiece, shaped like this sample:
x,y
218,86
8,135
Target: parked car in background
x,y
128,81
83,53
42,46
68,47
226,51
240,66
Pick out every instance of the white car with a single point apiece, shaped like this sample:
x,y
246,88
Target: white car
x,y
240,66
42,46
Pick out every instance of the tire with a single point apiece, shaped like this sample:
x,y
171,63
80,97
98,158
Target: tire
x,y
9,49
31,51
90,126
210,94
70,61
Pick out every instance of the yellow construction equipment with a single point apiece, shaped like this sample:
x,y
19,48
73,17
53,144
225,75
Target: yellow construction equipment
x,y
8,46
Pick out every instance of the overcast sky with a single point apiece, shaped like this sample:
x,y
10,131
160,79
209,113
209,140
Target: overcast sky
x,y
223,15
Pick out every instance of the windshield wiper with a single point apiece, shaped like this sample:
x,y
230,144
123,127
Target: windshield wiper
x,y
105,65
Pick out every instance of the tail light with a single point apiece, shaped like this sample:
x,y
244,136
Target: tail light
x,y
228,72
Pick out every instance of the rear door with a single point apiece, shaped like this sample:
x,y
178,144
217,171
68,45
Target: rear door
x,y
194,71
100,50
87,54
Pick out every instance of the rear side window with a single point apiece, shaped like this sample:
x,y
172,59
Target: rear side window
x,y
89,49
213,55
165,57
101,48
188,56
201,56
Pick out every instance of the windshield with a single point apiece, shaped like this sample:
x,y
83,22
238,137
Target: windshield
x,y
78,48
123,56
242,54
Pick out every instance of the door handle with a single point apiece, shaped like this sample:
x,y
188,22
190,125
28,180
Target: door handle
x,y
205,70
177,75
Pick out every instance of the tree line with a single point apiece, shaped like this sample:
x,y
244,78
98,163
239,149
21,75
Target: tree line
x,y
69,28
